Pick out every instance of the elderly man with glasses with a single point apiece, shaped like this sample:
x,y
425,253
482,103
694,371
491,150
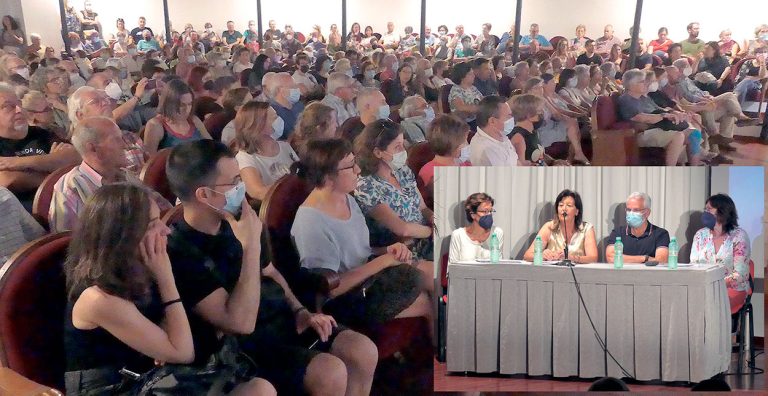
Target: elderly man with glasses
x,y
643,241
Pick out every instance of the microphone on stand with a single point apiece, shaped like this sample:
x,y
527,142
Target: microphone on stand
x,y
565,262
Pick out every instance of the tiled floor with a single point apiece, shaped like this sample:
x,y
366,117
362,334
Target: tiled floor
x,y
469,385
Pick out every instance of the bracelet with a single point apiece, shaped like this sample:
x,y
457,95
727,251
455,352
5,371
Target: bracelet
x,y
169,303
299,309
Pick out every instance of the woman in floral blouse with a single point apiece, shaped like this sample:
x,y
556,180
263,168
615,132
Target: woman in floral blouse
x,y
722,241
387,193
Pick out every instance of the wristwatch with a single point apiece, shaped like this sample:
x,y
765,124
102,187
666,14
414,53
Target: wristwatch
x,y
645,259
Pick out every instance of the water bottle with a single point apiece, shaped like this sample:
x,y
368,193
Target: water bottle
x,y
673,249
618,254
495,249
538,253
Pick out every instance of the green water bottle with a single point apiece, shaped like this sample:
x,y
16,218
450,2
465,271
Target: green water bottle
x,y
538,253
618,254
495,249
673,249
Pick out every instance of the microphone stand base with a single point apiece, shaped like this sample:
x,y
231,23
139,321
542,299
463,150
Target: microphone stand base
x,y
565,263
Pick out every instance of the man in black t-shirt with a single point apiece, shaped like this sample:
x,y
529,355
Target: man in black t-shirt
x,y
138,32
642,240
589,57
230,287
27,154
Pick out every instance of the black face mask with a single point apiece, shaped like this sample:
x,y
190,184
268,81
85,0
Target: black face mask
x,y
538,124
304,68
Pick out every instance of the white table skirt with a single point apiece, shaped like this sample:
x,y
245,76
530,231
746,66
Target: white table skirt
x,y
516,318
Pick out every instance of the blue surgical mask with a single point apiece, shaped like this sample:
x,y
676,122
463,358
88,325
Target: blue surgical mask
x,y
464,155
709,220
383,112
429,114
294,95
234,197
278,125
486,222
509,125
634,219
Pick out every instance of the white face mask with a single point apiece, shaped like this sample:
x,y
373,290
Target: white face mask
x,y
653,87
427,73
24,72
464,155
398,160
370,74
113,91
277,128
573,82
191,59
663,82
687,72
509,125
349,73
383,112
395,66
429,114
73,76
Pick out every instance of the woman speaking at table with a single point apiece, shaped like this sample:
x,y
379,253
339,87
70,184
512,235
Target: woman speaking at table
x,y
567,225
474,241
722,241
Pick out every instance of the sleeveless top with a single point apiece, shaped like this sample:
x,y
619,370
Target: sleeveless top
x,y
97,348
172,138
576,245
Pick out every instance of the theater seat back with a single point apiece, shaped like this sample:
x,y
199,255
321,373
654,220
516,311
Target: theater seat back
x,y
606,112
42,203
33,302
278,210
154,176
418,156
444,105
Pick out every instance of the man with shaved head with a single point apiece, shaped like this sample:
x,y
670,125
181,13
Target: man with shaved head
x,y
372,106
99,142
604,44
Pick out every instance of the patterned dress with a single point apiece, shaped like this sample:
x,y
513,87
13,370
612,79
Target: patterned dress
x,y
733,254
372,191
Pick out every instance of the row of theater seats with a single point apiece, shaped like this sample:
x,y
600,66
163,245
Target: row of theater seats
x,y
32,289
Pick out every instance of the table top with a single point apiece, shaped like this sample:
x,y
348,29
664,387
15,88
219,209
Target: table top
x,y
593,273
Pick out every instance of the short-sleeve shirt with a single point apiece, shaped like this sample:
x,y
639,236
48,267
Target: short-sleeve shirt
x,y
202,264
692,49
653,238
485,150
471,96
17,227
541,39
603,45
37,142
584,59
231,38
372,191
327,242
630,106
270,168
138,33
716,66
289,116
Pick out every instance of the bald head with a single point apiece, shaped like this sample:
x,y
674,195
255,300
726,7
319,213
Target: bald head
x,y
368,102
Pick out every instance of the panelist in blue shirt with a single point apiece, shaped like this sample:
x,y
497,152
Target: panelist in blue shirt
x,y
642,240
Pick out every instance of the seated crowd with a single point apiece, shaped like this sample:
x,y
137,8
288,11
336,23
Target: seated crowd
x,y
235,113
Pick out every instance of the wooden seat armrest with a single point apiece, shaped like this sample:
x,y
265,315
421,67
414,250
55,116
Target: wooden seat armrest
x,y
13,383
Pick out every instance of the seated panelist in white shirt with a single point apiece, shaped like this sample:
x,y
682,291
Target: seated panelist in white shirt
x,y
473,241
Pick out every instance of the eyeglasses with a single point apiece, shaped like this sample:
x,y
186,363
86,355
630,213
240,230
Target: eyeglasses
x,y
347,167
489,211
43,111
101,100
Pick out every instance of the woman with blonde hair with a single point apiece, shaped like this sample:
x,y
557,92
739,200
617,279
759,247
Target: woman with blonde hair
x,y
261,157
317,121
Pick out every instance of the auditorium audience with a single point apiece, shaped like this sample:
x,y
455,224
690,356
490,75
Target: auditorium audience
x,y
642,240
527,111
692,46
284,95
400,87
750,74
377,284
567,227
174,123
464,96
491,146
605,43
230,286
220,125
261,157
371,106
54,84
660,46
722,241
416,116
760,41
41,113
